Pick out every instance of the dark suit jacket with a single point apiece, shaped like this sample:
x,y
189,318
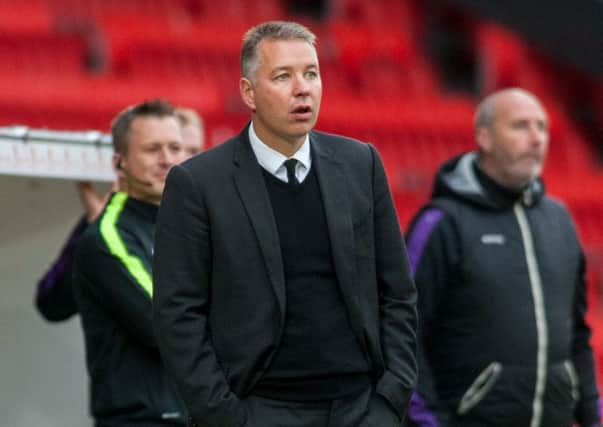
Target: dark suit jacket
x,y
219,287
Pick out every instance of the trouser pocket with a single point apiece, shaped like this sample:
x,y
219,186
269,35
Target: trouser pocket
x,y
573,377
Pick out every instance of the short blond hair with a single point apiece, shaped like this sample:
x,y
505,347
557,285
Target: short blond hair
x,y
189,117
121,124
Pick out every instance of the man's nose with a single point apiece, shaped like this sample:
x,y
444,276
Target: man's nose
x,y
538,135
167,156
300,85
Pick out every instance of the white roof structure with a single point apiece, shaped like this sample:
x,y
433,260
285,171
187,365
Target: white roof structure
x,y
47,153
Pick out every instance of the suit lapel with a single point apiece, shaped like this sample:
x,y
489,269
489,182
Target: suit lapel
x,y
252,190
335,198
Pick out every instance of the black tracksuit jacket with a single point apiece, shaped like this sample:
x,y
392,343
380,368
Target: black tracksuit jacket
x,y
113,288
500,278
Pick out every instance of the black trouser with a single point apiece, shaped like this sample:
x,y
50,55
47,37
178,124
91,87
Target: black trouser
x,y
366,409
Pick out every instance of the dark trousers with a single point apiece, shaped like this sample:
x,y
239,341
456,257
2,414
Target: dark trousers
x,y
367,409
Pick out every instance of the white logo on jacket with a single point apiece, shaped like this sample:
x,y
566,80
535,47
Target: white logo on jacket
x,y
493,239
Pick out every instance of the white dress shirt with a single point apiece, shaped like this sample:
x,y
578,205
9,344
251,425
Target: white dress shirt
x,y
273,161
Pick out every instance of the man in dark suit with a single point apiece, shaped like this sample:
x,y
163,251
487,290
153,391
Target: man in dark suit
x,y
282,292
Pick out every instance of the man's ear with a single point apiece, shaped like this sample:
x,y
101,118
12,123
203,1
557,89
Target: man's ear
x,y
483,139
247,92
118,165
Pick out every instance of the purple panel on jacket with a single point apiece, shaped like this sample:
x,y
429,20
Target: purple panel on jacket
x,y
59,266
418,413
420,233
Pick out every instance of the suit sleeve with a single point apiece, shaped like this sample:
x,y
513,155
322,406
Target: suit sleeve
x,y
397,297
587,410
182,276
54,294
103,279
433,253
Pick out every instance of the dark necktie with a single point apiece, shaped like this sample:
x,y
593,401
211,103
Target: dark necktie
x,y
290,166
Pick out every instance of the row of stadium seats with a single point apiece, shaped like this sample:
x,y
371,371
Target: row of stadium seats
x,y
72,64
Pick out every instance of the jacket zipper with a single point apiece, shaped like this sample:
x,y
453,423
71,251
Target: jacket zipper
x,y
541,325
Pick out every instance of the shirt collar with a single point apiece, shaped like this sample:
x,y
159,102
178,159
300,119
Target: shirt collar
x,y
272,160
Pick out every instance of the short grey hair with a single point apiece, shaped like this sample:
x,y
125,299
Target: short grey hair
x,y
485,113
272,30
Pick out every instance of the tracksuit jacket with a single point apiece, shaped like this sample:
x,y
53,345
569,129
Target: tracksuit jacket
x,y
113,289
54,297
502,336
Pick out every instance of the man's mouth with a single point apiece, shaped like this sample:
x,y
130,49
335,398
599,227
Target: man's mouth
x,y
533,157
302,112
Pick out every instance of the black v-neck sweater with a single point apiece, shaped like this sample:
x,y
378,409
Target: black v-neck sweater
x,y
319,357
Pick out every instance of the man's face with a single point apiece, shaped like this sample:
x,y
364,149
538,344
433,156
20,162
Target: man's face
x,y
514,145
155,145
284,93
192,140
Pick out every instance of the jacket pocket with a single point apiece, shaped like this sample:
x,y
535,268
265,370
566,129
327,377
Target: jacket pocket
x,y
573,377
479,388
